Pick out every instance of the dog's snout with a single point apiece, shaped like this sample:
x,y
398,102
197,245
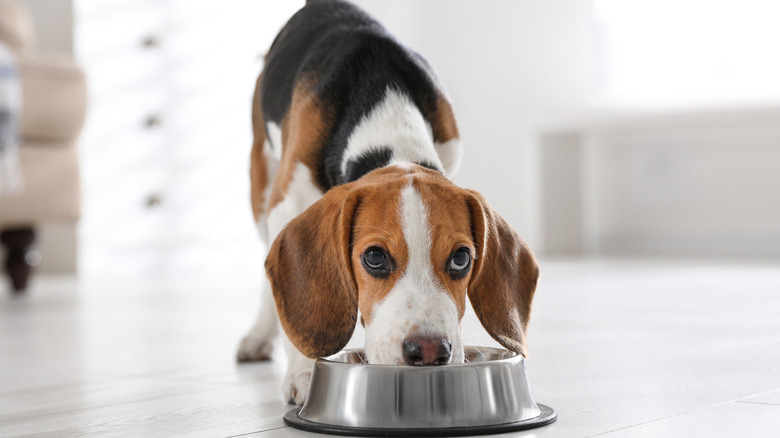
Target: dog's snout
x,y
418,350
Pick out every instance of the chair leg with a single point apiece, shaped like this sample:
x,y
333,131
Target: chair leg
x,y
18,243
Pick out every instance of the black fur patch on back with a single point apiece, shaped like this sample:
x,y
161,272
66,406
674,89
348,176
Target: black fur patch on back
x,y
352,61
366,162
431,166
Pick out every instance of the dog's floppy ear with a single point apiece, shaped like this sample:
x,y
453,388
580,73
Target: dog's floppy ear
x,y
504,277
311,275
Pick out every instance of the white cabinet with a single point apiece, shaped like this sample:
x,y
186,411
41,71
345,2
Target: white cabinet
x,y
166,146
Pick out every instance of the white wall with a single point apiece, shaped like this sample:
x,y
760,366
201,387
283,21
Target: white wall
x,y
672,52
695,183
508,65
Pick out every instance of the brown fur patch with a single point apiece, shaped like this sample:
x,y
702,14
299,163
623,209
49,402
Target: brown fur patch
x,y
258,167
504,277
443,123
377,223
314,264
304,131
504,272
311,275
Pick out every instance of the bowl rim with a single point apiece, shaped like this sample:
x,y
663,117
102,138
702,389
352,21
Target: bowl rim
x,y
512,359
547,415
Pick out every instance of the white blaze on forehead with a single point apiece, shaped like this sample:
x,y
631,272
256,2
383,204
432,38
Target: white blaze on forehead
x,y
417,234
418,303
395,123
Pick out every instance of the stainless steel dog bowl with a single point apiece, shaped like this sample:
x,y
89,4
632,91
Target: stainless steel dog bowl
x,y
487,394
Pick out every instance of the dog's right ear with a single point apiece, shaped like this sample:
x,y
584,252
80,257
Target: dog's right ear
x,y
504,278
311,276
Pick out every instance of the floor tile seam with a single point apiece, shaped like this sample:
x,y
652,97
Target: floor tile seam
x,y
102,379
113,378
258,431
209,381
185,380
758,403
761,394
147,399
639,366
691,411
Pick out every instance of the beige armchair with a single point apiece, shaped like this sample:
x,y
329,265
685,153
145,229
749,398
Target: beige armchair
x,y
52,115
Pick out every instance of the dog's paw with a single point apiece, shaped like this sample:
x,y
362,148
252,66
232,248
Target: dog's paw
x,y
255,348
296,386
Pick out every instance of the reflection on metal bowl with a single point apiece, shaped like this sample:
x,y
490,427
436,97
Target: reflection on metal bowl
x,y
487,394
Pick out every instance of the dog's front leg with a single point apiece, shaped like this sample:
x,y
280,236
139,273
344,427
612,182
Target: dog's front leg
x,y
258,344
295,386
301,193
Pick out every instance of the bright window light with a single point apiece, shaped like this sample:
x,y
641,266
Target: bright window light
x,y
690,51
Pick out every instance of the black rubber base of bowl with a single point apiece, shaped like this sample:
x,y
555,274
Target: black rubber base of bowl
x,y
547,416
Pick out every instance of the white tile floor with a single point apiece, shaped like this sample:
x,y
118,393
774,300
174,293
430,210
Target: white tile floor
x,y
618,348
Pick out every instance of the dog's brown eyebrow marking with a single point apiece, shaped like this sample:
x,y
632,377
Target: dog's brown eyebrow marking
x,y
369,226
462,233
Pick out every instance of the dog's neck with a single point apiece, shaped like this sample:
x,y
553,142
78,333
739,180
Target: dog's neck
x,y
393,132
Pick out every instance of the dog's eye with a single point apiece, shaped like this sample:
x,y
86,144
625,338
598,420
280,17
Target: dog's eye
x,y
375,258
377,262
459,263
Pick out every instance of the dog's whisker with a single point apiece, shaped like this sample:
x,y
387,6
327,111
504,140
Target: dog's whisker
x,y
480,349
377,228
466,343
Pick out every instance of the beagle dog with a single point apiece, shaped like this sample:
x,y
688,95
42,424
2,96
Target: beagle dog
x,y
354,144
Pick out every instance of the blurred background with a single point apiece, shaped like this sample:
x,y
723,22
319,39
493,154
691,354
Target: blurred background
x,y
602,128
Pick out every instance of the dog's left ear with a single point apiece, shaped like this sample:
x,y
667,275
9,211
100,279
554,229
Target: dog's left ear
x,y
504,276
311,275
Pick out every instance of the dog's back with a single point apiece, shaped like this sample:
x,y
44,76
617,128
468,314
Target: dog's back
x,y
342,66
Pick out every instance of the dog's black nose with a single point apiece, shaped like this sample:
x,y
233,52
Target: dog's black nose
x,y
420,350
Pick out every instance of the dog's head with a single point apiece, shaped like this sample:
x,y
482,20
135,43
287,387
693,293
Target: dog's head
x,y
405,246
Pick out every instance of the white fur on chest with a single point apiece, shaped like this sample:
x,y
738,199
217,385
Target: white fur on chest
x,y
395,123
301,194
275,137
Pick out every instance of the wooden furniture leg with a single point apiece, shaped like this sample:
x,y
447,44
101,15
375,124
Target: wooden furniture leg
x,y
18,243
